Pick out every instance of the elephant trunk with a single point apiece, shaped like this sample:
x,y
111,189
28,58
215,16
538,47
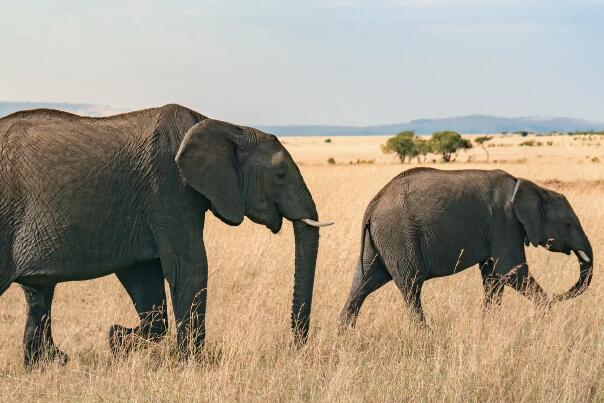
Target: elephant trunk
x,y
307,244
585,257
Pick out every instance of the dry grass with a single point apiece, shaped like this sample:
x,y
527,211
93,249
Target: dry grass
x,y
514,353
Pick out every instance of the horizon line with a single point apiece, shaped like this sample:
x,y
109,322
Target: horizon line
x,y
118,109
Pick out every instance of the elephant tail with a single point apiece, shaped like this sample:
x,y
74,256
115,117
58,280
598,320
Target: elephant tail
x,y
365,231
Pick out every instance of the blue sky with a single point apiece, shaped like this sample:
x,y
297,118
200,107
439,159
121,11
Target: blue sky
x,y
314,62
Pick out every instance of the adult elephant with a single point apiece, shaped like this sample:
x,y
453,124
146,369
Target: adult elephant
x,y
84,197
429,223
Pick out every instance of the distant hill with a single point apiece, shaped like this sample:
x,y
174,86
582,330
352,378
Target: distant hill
x,y
463,124
6,108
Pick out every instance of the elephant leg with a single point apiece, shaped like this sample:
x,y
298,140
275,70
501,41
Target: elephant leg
x,y
405,265
370,275
522,281
144,283
38,344
411,289
491,283
188,280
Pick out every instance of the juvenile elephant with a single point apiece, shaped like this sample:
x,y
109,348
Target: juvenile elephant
x,y
429,223
85,197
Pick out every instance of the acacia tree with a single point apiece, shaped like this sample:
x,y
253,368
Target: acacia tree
x,y
448,143
423,147
481,140
403,144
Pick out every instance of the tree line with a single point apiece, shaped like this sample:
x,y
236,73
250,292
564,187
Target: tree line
x,y
407,145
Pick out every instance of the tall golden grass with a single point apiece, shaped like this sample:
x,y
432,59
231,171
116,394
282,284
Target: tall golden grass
x,y
515,352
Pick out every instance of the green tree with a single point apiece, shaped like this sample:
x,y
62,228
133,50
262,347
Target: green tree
x,y
423,147
403,144
480,140
448,144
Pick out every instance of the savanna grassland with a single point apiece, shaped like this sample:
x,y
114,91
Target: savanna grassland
x,y
514,353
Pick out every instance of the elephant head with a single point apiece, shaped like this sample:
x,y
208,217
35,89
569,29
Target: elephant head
x,y
244,172
549,221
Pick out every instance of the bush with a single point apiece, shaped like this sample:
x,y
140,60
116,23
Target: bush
x,y
590,132
361,162
328,140
331,161
527,143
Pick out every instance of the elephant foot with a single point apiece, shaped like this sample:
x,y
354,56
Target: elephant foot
x,y
39,357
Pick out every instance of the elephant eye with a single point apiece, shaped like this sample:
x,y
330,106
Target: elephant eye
x,y
281,176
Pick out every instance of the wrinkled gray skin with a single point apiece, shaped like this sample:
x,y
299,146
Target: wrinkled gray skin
x,y
85,197
428,223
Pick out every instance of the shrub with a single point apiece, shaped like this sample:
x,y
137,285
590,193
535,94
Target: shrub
x,y
527,143
331,161
328,140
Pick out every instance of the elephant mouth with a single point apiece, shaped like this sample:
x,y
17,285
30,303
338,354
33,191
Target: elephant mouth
x,y
275,226
273,222
555,245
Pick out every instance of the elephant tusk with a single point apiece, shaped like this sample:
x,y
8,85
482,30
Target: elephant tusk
x,y
314,223
515,190
583,256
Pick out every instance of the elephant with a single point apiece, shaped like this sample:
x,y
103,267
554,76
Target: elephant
x,y
428,223
84,197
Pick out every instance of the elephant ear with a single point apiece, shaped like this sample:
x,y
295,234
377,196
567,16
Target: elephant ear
x,y
207,160
528,205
